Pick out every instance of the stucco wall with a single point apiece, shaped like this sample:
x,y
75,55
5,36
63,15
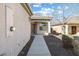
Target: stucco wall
x,y
58,28
14,44
68,29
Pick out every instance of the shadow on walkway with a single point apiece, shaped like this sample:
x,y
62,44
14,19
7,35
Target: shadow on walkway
x,y
26,48
55,46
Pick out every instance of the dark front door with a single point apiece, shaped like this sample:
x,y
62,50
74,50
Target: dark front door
x,y
34,28
73,29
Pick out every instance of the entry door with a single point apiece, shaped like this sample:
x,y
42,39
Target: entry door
x,y
35,28
73,29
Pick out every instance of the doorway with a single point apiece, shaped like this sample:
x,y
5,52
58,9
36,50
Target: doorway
x,y
73,29
34,28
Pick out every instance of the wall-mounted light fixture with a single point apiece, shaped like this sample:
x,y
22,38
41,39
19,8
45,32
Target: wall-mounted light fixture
x,y
12,28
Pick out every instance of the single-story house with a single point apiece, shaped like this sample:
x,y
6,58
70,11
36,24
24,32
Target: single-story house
x,y
40,24
15,27
69,26
17,24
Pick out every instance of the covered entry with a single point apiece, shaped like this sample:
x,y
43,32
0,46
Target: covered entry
x,y
40,24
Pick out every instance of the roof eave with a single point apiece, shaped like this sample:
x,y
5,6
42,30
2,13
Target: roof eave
x,y
27,8
41,17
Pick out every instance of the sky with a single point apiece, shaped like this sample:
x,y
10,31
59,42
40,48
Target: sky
x,y
56,10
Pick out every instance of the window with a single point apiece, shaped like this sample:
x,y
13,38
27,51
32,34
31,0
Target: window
x,y
41,28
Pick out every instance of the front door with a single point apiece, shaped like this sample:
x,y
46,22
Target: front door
x,y
34,28
73,29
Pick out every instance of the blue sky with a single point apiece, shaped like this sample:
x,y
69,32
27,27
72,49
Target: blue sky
x,y
55,9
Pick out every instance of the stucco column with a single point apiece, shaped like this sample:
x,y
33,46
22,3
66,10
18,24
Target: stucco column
x,y
49,30
66,29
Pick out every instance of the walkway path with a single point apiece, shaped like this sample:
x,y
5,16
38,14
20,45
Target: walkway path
x,y
38,47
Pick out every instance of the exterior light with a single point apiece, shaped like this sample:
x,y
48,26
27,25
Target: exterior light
x,y
12,28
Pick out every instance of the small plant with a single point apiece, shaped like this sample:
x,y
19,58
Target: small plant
x,y
67,42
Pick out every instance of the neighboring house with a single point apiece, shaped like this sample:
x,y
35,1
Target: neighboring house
x,y
40,24
70,26
15,28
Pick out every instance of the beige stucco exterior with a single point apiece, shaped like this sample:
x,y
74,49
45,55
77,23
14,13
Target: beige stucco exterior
x,y
69,23
68,30
58,28
13,45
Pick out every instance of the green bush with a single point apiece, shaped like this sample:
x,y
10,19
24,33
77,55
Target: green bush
x,y
67,42
66,37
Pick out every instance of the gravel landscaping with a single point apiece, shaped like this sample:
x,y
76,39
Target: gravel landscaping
x,y
55,46
26,47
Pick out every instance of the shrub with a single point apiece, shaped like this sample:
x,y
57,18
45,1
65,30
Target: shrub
x,y
67,42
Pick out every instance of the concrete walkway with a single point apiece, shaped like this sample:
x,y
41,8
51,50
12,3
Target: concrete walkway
x,y
38,47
